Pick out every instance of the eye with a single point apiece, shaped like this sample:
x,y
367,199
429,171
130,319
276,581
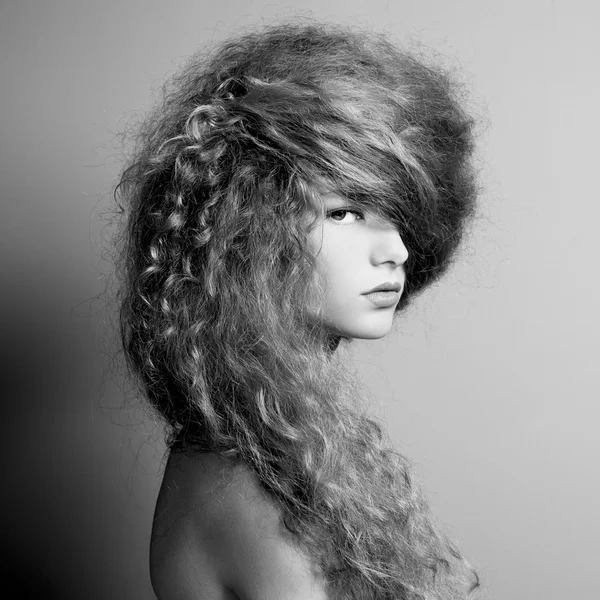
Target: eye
x,y
345,215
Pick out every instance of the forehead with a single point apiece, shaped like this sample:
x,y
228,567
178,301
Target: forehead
x,y
328,198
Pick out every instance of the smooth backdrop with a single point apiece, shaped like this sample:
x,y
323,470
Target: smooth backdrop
x,y
489,383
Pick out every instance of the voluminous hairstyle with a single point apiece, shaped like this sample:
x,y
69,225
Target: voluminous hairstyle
x,y
215,308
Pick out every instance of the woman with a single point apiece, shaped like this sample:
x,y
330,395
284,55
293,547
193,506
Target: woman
x,y
293,191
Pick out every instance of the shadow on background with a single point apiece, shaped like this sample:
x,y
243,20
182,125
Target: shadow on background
x,y
72,478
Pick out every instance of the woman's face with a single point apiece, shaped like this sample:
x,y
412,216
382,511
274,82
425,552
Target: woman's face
x,y
357,253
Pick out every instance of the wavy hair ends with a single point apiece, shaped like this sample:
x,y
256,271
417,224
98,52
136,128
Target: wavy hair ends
x,y
219,319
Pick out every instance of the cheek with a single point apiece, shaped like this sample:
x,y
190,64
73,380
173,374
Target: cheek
x,y
337,270
328,268
336,276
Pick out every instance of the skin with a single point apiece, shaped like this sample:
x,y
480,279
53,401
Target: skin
x,y
217,535
356,251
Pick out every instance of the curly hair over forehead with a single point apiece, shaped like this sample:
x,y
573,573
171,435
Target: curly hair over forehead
x,y
217,276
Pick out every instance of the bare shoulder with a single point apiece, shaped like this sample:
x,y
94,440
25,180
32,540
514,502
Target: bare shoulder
x,y
218,535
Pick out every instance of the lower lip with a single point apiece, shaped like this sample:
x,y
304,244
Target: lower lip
x,y
383,299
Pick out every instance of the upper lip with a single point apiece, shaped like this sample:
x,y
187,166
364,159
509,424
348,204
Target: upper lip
x,y
388,286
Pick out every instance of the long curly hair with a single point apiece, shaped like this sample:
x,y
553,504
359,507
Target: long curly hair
x,y
217,274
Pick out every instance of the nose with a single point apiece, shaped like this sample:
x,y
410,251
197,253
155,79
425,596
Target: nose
x,y
388,246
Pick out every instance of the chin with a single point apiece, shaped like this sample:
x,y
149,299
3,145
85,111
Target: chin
x,y
371,335
363,331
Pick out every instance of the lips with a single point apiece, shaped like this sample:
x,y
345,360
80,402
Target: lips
x,y
386,287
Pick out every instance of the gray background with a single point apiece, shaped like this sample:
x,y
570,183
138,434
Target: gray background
x,y
487,384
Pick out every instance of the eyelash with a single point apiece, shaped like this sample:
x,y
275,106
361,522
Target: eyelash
x,y
330,213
